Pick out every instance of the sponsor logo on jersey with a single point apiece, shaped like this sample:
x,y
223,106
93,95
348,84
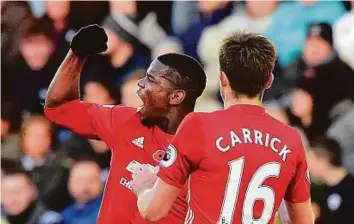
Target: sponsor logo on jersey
x,y
126,183
133,166
170,156
139,142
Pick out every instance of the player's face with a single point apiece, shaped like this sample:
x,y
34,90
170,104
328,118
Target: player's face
x,y
154,90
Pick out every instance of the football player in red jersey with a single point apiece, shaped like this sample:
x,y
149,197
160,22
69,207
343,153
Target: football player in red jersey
x,y
169,91
239,162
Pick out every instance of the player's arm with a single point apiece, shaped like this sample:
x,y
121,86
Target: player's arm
x,y
65,84
300,213
155,203
62,105
297,197
182,157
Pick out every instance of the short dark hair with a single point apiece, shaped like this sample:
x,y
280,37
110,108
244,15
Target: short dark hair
x,y
12,113
328,147
36,26
86,159
12,167
247,59
187,73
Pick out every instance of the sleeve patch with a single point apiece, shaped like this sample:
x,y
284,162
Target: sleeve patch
x,y
170,156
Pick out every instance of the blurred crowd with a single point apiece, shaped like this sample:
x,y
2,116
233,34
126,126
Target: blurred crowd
x,y
50,175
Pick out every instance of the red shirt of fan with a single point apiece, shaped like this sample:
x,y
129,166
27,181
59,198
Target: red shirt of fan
x,y
131,143
239,164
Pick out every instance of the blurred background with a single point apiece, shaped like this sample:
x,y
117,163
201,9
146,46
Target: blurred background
x,y
50,175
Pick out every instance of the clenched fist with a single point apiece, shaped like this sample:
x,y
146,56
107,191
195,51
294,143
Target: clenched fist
x,y
89,40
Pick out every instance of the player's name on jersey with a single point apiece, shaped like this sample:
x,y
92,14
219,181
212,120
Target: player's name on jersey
x,y
249,136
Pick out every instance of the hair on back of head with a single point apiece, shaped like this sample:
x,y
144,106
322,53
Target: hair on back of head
x,y
85,159
187,73
11,168
328,147
36,26
12,113
247,59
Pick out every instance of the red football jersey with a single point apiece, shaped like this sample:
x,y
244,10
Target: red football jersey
x,y
131,143
239,163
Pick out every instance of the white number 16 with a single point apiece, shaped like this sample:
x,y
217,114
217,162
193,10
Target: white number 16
x,y
255,191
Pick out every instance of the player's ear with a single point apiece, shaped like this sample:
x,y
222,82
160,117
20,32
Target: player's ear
x,y
177,97
270,81
224,81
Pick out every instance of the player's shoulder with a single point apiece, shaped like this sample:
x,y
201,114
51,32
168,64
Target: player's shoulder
x,y
123,114
204,116
119,109
283,127
198,117
291,134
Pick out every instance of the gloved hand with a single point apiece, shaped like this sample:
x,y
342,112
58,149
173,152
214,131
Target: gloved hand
x,y
89,40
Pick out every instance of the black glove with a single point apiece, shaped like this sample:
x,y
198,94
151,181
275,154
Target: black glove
x,y
89,40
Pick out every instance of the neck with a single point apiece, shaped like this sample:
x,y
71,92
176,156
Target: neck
x,y
334,176
306,120
232,100
59,25
173,119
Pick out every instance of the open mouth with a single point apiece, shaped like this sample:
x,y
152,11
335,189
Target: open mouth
x,y
138,92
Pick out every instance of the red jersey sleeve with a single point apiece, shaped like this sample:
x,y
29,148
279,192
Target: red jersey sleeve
x,y
184,153
299,188
88,119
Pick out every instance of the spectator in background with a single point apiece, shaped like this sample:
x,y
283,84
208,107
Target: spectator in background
x,y
290,21
98,90
130,87
322,83
253,16
210,13
19,201
34,71
125,49
13,13
75,14
344,37
45,165
342,130
58,13
11,118
184,14
168,45
128,8
325,164
86,188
